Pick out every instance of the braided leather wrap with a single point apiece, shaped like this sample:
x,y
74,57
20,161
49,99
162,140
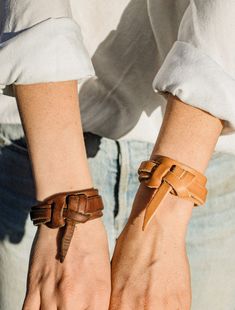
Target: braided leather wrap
x,y
165,175
67,209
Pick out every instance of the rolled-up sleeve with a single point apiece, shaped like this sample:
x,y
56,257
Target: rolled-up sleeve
x,y
40,42
200,67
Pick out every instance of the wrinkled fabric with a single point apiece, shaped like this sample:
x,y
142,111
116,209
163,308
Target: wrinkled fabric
x,y
129,42
200,67
57,54
39,42
196,78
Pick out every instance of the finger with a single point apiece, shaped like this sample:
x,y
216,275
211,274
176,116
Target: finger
x,y
165,304
47,304
32,301
98,299
49,301
122,304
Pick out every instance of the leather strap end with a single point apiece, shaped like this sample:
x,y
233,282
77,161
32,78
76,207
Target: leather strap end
x,y
158,198
66,240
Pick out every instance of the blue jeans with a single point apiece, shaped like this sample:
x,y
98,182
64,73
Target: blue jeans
x,y
211,234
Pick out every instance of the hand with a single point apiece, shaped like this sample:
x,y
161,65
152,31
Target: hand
x,y
81,282
150,269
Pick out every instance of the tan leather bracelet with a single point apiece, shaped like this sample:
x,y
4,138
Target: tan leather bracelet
x,y
67,209
168,176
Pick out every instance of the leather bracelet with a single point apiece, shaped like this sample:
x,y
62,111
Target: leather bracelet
x,y
65,210
168,176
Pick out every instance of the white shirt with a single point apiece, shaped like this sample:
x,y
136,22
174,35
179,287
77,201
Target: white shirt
x,y
179,46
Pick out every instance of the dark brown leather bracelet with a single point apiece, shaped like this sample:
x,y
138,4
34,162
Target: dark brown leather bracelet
x,y
168,176
67,209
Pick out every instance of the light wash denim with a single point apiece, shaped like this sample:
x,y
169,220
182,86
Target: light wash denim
x,y
210,239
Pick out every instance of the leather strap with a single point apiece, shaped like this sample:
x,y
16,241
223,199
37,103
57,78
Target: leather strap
x,y
67,209
168,176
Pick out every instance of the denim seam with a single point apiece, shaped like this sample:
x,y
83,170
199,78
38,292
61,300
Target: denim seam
x,y
117,183
124,166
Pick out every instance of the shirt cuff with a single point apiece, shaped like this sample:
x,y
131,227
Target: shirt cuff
x,y
198,80
50,51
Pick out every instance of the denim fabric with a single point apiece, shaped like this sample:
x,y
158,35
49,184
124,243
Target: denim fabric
x,y
210,239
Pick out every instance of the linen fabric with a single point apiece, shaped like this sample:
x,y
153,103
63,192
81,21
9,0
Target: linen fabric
x,y
181,46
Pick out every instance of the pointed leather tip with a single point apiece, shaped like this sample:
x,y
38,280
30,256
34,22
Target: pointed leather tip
x,y
145,223
62,258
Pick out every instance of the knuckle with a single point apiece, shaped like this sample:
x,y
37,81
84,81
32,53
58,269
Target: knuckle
x,y
65,286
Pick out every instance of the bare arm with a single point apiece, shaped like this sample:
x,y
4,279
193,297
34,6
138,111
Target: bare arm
x,y
188,134
156,259
52,124
51,120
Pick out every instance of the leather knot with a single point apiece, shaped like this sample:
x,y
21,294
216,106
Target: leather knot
x,y
165,175
66,210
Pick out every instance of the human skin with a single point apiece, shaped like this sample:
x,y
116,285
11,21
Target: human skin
x,y
51,120
150,268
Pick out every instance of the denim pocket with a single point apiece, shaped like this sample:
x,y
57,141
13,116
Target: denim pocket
x,y
16,145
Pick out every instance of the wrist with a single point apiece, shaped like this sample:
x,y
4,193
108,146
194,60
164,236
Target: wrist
x,y
172,216
175,210
63,183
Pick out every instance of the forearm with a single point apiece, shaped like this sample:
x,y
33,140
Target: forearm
x,y
51,120
189,136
